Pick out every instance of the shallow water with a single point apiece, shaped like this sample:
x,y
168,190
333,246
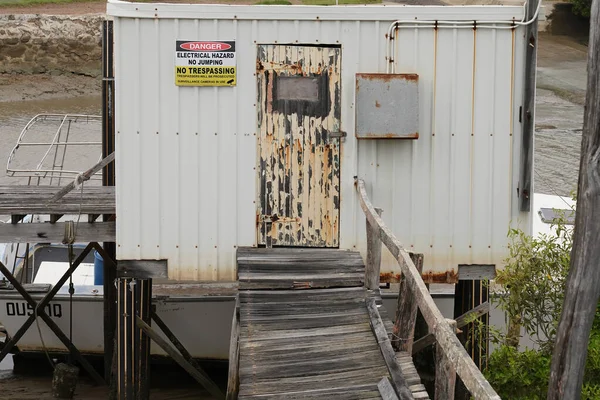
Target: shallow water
x,y
557,144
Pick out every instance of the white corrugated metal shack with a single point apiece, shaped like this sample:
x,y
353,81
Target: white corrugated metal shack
x,y
245,147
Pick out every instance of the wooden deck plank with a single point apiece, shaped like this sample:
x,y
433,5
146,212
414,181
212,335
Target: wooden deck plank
x,y
317,376
309,352
55,233
302,324
291,295
23,200
311,343
365,378
283,344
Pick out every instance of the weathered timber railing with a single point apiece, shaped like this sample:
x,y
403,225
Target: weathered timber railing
x,y
454,355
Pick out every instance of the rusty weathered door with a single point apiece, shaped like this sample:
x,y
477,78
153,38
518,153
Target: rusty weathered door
x,y
299,147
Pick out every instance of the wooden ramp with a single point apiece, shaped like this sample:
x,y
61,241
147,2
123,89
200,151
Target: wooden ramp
x,y
307,331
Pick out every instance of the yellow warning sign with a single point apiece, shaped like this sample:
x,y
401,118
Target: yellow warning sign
x,y
205,63
205,76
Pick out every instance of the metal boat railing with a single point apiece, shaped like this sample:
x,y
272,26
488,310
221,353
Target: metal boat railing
x,y
56,148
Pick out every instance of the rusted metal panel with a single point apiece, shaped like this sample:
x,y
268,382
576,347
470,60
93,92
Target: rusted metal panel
x,y
299,162
387,106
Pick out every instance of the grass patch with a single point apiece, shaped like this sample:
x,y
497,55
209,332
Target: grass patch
x,y
26,3
332,2
273,3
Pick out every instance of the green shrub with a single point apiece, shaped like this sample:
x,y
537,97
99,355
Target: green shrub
x,y
590,391
523,375
535,278
582,7
519,375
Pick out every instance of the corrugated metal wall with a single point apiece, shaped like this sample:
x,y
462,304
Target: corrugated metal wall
x,y
186,157
455,188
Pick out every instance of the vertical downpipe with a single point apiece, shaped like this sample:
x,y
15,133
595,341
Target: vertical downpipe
x,y
355,205
472,143
157,125
413,160
451,169
432,147
509,192
491,142
527,117
108,179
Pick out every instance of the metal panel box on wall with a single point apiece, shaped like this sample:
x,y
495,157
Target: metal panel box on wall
x,y
387,106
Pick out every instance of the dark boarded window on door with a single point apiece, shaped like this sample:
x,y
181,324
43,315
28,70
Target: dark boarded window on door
x,y
305,95
297,88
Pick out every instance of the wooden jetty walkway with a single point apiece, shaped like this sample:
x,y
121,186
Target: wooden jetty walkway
x,y
310,329
309,323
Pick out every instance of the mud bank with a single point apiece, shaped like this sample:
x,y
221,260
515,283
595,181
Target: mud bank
x,y
24,87
54,44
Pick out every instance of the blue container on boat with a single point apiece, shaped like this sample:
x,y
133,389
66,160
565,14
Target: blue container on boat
x,y
98,269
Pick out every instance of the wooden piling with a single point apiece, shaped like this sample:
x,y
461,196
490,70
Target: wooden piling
x,y
133,366
582,291
406,312
373,265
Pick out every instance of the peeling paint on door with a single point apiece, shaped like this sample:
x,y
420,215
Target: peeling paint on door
x,y
299,165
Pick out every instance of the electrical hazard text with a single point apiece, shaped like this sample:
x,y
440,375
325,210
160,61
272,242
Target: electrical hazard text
x,y
205,63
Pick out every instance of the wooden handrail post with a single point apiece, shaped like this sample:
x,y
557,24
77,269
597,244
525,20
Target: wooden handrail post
x,y
406,312
464,366
445,373
373,266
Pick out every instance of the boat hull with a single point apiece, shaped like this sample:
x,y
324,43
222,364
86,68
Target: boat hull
x,y
201,324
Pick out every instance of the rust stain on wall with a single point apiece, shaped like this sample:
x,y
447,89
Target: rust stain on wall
x,y
428,277
450,276
298,167
388,277
372,135
383,77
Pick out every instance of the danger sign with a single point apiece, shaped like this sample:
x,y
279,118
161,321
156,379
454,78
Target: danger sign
x,y
205,63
